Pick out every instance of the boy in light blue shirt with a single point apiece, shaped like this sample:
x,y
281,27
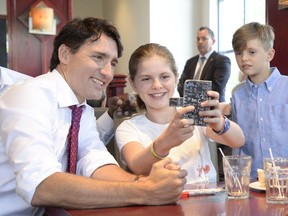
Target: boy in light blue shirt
x,y
260,104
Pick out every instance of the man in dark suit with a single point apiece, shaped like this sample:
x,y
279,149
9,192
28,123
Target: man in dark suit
x,y
216,67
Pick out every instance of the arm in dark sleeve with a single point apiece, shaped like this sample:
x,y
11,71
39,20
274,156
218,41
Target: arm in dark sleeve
x,y
180,86
186,74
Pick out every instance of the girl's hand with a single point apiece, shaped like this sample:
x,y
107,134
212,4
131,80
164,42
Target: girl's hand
x,y
178,130
214,114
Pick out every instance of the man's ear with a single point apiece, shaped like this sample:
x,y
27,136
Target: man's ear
x,y
63,53
213,41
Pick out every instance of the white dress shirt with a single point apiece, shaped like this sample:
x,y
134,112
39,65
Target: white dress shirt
x,y
34,124
105,123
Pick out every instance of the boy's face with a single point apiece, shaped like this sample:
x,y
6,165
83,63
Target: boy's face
x,y
90,69
254,60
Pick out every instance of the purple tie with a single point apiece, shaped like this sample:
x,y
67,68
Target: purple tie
x,y
72,146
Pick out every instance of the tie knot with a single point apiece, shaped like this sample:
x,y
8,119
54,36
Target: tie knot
x,y
202,58
76,112
75,108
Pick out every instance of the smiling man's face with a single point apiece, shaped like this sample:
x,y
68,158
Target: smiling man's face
x,y
90,69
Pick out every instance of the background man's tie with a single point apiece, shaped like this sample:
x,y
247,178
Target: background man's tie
x,y
72,146
198,73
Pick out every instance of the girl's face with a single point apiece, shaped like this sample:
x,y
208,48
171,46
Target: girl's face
x,y
255,60
154,82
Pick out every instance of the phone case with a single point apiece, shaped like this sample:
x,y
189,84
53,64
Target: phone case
x,y
176,102
195,92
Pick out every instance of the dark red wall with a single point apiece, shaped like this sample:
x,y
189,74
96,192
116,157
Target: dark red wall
x,y
31,53
278,19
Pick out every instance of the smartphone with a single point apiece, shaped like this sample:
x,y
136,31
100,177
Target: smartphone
x,y
195,92
176,102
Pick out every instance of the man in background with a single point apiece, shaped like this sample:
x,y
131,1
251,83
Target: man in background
x,y
215,67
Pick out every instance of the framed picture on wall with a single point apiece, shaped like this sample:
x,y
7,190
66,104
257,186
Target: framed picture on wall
x,y
282,4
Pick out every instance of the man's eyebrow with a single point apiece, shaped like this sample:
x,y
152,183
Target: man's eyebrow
x,y
100,53
105,55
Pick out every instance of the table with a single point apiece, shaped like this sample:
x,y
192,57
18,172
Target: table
x,y
206,205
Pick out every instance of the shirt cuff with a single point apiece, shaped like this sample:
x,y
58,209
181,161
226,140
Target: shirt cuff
x,y
105,125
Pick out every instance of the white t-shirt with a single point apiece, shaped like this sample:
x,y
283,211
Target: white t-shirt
x,y
193,154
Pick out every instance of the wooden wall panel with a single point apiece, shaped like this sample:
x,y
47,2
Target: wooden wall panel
x,y
278,19
3,46
30,53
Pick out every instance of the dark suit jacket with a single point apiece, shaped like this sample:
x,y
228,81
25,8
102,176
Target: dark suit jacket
x,y
217,69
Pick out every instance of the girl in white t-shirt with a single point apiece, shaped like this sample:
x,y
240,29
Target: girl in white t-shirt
x,y
160,131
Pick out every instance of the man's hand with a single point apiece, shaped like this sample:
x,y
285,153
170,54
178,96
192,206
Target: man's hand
x,y
123,105
165,185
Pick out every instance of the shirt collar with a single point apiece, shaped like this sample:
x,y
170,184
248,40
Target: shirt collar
x,y
269,83
66,96
207,55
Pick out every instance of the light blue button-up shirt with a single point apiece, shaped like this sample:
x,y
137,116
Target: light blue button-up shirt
x,y
262,113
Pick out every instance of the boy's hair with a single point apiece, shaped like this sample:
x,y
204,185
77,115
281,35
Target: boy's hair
x,y
250,31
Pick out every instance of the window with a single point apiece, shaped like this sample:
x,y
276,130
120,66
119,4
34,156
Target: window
x,y
232,15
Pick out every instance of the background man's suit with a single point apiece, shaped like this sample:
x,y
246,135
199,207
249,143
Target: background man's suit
x,y
217,69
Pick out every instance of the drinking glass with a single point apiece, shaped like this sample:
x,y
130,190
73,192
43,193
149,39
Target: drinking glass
x,y
276,180
237,169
